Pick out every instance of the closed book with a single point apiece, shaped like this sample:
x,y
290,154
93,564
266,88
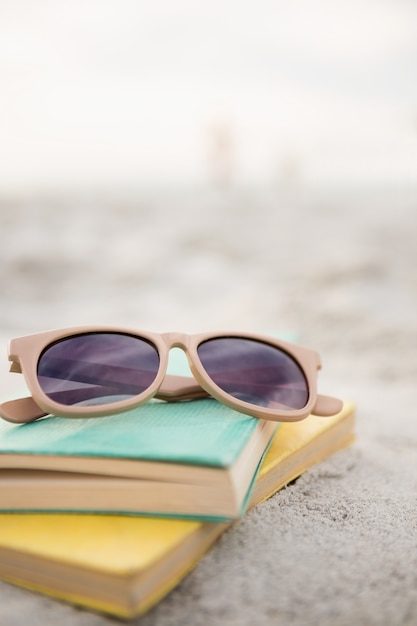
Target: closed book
x,y
196,458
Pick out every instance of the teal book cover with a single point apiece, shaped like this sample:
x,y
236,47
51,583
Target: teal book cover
x,y
202,432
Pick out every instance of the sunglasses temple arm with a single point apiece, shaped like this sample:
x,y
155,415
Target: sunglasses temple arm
x,y
173,389
21,411
177,388
326,406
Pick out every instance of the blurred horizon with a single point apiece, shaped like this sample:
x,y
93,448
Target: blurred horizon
x,y
124,96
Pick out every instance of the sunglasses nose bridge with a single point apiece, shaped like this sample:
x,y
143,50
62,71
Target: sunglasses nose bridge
x,y
176,340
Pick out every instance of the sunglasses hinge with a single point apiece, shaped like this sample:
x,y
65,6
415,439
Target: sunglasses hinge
x,y
15,367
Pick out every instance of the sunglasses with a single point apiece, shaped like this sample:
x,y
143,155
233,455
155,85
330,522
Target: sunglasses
x,y
97,371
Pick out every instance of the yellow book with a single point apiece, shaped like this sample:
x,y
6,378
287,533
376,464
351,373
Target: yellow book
x,y
123,565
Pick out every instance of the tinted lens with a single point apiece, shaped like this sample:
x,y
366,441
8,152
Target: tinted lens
x,y
255,372
97,368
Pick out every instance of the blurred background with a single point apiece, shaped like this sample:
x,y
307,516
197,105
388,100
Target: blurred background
x,y
187,165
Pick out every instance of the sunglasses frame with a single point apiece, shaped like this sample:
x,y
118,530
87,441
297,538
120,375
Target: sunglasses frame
x,y
25,352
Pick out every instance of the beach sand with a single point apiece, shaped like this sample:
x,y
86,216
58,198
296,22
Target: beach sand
x,y
337,267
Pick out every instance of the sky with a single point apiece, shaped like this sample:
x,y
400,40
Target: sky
x,y
97,93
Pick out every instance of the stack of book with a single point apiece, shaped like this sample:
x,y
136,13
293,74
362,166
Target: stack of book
x,y
112,513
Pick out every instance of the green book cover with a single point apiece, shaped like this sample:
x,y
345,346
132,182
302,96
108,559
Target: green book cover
x,y
202,432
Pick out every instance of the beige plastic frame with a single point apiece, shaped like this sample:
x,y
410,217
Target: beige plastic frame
x,y
24,353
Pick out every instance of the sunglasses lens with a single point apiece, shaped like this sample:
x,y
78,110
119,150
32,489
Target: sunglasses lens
x,y
97,368
255,372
